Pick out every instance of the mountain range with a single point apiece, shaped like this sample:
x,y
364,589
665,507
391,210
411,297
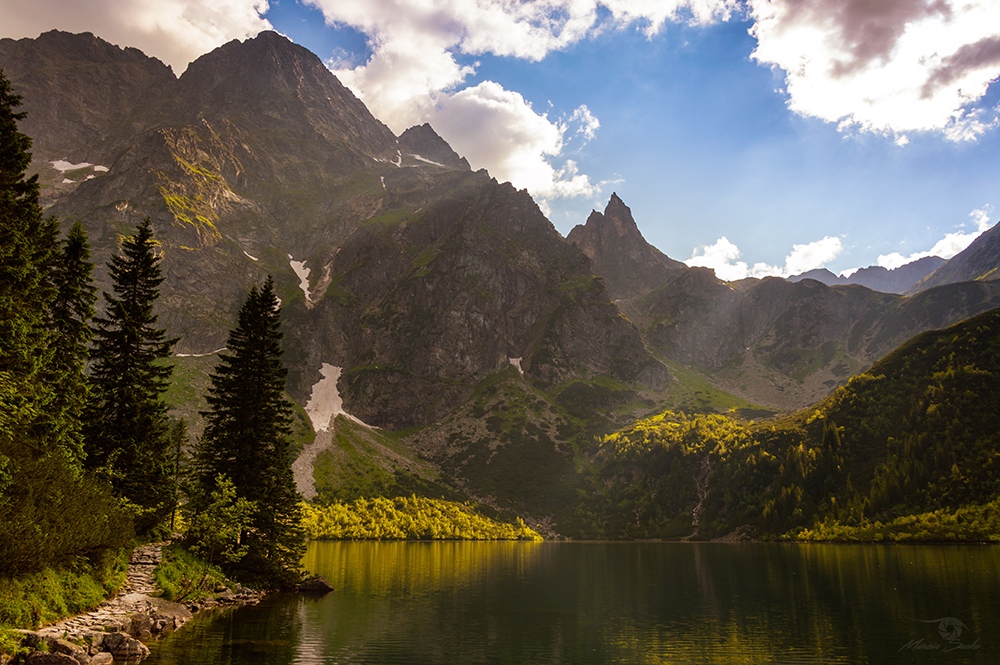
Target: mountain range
x,y
446,300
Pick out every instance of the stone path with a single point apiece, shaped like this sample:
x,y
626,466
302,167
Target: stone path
x,y
116,629
141,565
115,614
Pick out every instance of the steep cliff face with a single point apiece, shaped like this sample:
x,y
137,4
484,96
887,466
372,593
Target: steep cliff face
x,y
429,302
629,265
392,259
83,97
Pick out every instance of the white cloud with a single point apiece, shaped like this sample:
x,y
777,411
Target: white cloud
x,y
891,67
948,246
175,31
497,129
722,257
415,75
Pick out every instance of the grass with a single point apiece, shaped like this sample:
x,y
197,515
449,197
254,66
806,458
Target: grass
x,y
183,576
48,595
691,392
364,462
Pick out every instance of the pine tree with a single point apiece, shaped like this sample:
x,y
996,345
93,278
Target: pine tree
x,y
72,312
50,514
27,243
246,441
127,434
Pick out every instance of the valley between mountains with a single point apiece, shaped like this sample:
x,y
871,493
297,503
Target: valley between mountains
x,y
444,340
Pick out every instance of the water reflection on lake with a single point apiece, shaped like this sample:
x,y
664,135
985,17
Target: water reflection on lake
x,y
522,603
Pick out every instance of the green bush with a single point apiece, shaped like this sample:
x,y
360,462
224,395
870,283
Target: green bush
x,y
407,518
183,576
51,514
37,598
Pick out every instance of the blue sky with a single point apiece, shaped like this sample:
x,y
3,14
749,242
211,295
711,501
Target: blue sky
x,y
802,133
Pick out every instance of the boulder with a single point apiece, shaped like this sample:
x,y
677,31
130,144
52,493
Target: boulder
x,y
103,658
317,584
74,651
123,647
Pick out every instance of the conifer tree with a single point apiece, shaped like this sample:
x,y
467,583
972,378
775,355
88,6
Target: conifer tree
x,y
26,245
127,433
246,441
50,514
72,311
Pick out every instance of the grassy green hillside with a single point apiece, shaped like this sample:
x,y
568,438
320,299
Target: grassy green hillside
x,y
912,441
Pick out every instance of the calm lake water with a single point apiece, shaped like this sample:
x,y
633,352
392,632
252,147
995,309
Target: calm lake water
x,y
628,603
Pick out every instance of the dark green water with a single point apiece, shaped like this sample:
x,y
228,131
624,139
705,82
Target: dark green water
x,y
522,603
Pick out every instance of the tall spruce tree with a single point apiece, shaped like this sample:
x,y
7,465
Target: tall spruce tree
x,y
27,243
50,514
246,441
72,311
127,433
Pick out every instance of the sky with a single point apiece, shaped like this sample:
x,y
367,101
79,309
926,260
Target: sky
x,y
755,137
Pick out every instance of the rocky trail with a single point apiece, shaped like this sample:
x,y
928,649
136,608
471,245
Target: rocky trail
x,y
115,630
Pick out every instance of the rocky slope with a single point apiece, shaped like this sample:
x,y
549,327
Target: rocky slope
x,y
980,261
772,341
392,259
618,252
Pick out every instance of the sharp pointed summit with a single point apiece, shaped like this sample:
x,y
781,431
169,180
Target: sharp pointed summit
x,y
619,253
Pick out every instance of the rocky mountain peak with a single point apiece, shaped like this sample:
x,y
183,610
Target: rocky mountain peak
x,y
80,93
619,253
279,83
620,217
422,143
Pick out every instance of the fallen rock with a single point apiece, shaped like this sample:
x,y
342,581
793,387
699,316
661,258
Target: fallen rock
x,y
102,658
123,647
74,651
226,597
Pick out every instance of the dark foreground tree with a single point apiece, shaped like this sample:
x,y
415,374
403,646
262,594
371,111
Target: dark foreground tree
x,y
27,244
51,514
127,431
246,442
72,311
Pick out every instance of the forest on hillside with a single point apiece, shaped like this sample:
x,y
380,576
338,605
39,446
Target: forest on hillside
x,y
906,450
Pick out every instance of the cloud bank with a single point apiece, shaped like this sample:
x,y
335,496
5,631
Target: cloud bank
x,y
946,247
723,258
890,67
415,74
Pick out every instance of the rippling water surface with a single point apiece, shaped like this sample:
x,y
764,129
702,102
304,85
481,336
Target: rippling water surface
x,y
522,603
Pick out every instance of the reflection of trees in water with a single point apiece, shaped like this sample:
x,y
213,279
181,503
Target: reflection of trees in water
x,y
393,568
593,603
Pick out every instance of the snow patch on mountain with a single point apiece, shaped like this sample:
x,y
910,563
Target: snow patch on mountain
x,y
302,272
325,403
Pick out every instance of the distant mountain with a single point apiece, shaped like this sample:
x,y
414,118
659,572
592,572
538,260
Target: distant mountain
x,y
619,253
877,278
774,342
392,258
980,261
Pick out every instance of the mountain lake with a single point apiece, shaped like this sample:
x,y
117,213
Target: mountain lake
x,y
522,603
